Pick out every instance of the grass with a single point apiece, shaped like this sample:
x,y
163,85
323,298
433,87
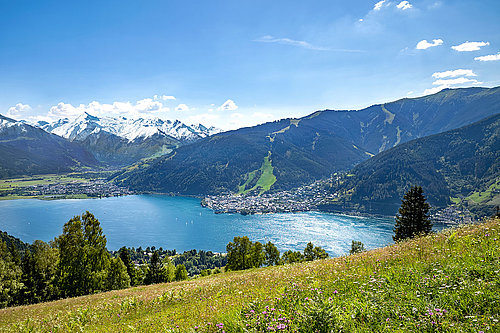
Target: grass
x,y
265,181
15,187
250,176
8,184
487,196
446,282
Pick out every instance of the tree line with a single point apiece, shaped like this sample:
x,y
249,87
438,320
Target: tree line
x,y
242,253
75,263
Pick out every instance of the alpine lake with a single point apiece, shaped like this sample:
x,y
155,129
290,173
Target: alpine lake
x,y
181,223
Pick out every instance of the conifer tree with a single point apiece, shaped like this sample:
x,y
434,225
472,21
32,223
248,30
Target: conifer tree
x,y
357,247
155,269
124,255
118,277
413,217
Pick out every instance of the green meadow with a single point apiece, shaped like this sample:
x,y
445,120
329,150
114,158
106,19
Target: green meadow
x,y
444,282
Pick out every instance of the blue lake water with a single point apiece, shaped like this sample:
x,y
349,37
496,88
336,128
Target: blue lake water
x,y
181,223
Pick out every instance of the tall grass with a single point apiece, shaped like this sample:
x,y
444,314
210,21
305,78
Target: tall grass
x,y
446,282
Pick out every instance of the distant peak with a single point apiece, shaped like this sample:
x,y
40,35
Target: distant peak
x,y
88,116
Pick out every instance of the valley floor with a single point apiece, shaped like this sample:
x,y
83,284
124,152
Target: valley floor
x,y
448,281
81,185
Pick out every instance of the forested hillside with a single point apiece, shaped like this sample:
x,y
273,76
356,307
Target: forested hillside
x,y
303,150
461,166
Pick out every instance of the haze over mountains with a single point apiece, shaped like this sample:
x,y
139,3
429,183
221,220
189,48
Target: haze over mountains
x,y
305,149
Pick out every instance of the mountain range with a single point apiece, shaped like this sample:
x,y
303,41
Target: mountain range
x,y
122,141
287,153
457,166
447,142
28,150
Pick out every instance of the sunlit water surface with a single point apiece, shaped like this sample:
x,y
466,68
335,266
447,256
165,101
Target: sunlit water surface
x,y
181,223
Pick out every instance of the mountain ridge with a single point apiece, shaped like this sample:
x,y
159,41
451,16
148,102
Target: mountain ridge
x,y
122,141
28,150
311,147
450,166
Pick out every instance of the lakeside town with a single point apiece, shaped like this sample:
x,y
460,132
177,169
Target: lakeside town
x,y
308,198
304,198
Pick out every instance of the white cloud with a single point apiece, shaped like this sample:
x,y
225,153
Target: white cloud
x,y
288,41
163,97
63,110
18,110
491,57
443,83
148,105
452,82
379,5
144,107
228,105
470,46
454,73
182,107
424,44
404,5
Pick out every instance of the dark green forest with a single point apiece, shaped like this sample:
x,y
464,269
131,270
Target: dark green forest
x,y
450,166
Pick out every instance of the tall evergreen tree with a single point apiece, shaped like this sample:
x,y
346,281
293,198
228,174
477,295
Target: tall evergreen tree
x,y
124,255
413,217
118,277
39,267
309,252
155,269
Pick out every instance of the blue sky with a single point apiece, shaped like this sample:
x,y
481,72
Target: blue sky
x,y
236,63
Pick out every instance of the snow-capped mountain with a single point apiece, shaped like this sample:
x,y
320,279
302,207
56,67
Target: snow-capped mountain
x,y
122,141
130,129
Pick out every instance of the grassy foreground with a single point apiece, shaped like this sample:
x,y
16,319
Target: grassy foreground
x,y
447,282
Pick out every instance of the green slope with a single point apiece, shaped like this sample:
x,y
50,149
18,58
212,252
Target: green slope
x,y
264,182
447,282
